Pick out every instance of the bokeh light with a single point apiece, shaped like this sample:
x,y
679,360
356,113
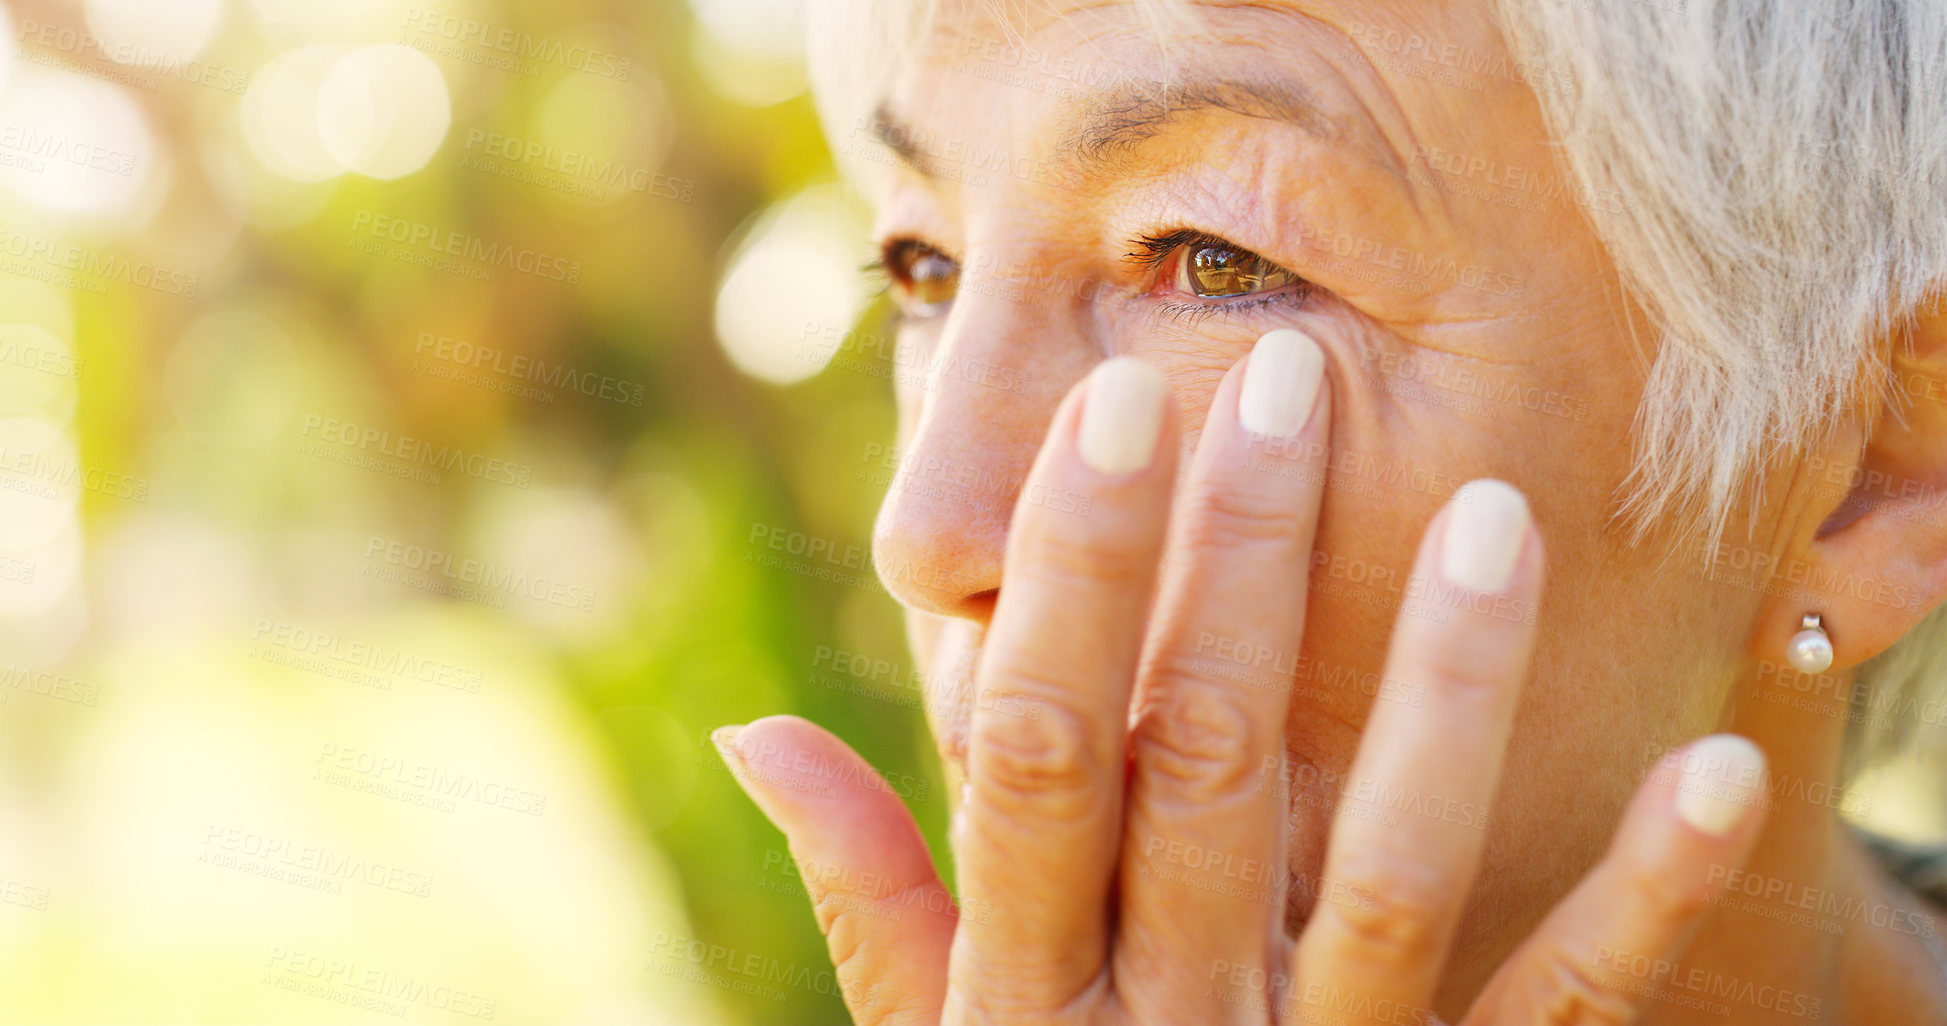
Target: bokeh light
x,y
751,51
41,485
280,114
383,111
339,19
153,32
39,378
74,146
758,28
793,287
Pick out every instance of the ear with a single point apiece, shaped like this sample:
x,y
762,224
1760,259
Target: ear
x,y
1877,562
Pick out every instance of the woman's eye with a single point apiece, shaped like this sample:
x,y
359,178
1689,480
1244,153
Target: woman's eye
x,y
1214,270
924,278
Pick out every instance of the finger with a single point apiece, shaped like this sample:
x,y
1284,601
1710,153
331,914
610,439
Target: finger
x,y
1612,943
1037,835
1406,842
888,921
1203,850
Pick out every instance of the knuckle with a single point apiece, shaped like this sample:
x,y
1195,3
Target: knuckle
x,y
1671,904
984,991
1459,673
1194,734
1392,921
976,1000
844,938
1222,518
1065,558
1571,995
1044,764
851,923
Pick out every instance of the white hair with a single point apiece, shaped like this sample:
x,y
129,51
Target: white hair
x,y
1786,171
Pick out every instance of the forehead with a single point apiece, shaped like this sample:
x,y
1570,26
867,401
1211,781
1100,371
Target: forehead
x,y
1085,88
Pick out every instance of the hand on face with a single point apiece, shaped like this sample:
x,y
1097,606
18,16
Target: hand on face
x,y
1121,845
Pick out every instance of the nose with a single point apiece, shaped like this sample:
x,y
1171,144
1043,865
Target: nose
x,y
990,387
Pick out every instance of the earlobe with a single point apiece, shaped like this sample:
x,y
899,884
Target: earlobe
x,y
1877,563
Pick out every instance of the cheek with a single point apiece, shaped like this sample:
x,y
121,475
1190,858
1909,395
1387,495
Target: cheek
x,y
1195,364
1404,442
913,352
1357,581
1637,646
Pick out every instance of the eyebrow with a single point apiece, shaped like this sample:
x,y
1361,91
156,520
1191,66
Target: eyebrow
x,y
1113,125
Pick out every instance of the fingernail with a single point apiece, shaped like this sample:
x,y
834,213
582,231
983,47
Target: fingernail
x,y
725,738
1722,775
1485,529
1121,415
1281,380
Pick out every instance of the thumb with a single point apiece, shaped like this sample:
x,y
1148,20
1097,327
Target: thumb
x,y
887,919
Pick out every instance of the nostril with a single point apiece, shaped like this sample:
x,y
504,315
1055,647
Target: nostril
x,y
980,606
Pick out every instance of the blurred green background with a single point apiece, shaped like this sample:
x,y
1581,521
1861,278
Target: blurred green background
x,y
398,403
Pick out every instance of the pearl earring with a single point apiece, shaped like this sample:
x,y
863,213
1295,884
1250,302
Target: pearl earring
x,y
1810,650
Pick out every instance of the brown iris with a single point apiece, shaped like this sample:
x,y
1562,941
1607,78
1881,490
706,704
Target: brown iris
x,y
926,278
1214,271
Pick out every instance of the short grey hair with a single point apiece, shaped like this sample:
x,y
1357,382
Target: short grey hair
x,y
1788,164
1786,171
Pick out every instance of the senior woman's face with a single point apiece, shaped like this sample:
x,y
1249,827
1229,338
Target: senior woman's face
x,y
1380,177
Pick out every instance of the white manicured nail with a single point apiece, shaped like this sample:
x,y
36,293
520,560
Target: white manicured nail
x,y
1485,529
1281,381
1121,415
1722,777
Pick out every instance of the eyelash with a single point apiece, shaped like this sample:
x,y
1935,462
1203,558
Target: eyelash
x,y
1157,249
877,271
1153,251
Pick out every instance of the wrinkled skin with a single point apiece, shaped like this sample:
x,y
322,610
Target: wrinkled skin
x,y
1472,327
